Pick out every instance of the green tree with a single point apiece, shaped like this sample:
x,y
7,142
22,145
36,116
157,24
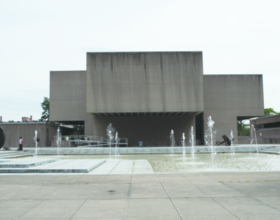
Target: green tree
x,y
243,129
46,109
270,112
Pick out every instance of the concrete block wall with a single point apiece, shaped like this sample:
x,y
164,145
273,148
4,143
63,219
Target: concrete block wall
x,y
27,131
144,82
67,95
228,97
68,98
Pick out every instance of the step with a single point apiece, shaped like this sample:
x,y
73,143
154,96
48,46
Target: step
x,y
269,152
24,163
59,166
14,154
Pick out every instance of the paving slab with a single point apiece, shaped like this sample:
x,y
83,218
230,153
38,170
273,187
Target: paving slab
x,y
248,208
54,166
120,166
201,208
45,212
257,189
154,208
133,197
142,167
273,202
219,190
24,163
148,190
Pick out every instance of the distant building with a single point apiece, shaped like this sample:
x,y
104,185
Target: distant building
x,y
25,119
146,94
267,129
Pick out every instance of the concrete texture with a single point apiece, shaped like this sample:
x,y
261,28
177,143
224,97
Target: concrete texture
x,y
167,197
14,130
140,82
68,98
262,122
24,163
228,98
41,165
8,154
67,92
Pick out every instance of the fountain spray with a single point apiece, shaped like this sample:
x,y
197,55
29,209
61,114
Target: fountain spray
x,y
36,143
110,133
254,136
209,136
58,140
116,147
183,137
172,140
192,142
231,144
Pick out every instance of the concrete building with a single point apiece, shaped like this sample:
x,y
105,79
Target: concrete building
x,y
146,94
267,129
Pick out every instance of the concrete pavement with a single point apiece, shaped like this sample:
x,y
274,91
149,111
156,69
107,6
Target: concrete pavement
x,y
137,196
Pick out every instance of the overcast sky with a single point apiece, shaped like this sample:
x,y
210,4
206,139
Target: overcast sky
x,y
236,37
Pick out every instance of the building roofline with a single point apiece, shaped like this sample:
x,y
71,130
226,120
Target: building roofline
x,y
146,52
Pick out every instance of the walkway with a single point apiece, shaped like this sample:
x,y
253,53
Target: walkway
x,y
137,197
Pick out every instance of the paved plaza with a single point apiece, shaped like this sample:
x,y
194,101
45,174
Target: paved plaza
x,y
141,196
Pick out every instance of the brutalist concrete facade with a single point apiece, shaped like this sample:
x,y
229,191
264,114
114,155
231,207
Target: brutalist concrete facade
x,y
228,98
146,94
144,82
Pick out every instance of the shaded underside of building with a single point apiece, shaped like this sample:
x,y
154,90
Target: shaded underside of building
x,y
146,94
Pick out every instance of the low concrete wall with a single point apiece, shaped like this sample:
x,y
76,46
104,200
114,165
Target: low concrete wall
x,y
147,150
261,139
27,131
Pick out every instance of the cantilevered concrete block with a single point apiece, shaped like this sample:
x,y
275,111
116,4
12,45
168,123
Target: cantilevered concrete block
x,y
139,82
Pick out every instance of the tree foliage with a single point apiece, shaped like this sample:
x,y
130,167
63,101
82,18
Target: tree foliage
x,y
46,109
270,112
243,129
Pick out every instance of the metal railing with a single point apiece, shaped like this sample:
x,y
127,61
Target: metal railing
x,y
91,141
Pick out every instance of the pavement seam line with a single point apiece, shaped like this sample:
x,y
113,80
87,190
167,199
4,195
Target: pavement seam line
x,y
209,196
128,199
34,206
168,197
113,168
224,207
129,190
89,195
254,198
